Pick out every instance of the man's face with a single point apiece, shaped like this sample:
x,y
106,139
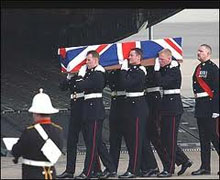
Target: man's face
x,y
134,58
91,61
203,54
164,59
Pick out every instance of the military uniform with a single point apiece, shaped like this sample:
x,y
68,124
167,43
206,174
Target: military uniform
x,y
171,109
153,98
93,84
206,90
76,124
116,116
133,81
35,165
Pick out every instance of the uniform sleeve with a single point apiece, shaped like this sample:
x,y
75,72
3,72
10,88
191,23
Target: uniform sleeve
x,y
170,78
19,148
132,79
215,87
95,80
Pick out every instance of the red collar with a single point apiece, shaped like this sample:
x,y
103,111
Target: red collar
x,y
44,121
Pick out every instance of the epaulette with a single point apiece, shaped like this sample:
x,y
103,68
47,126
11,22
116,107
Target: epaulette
x,y
30,127
143,69
56,125
174,64
99,68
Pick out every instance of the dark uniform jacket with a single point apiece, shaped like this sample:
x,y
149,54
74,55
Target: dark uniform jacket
x,y
169,77
76,101
209,73
153,98
133,80
29,147
30,142
93,82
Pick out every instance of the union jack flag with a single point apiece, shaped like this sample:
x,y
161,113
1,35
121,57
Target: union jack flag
x,y
72,58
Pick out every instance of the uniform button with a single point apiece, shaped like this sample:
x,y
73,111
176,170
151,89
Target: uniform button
x,y
171,99
133,102
90,104
156,96
194,90
194,82
74,85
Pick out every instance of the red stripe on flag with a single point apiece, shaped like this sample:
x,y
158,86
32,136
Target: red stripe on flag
x,y
126,47
63,69
76,68
101,47
174,46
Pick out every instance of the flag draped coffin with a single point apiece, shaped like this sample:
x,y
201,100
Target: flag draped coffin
x,y
72,58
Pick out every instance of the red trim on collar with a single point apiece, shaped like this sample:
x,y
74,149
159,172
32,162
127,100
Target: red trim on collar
x,y
44,121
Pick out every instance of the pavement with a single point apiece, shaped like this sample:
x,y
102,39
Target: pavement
x,y
13,171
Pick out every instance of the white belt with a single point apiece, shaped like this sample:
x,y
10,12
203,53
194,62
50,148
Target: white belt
x,y
171,91
153,89
77,95
134,94
36,163
93,95
203,94
118,93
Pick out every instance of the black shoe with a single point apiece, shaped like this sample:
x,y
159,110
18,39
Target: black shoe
x,y
127,175
64,175
164,174
106,174
98,174
82,176
200,172
184,167
150,173
95,175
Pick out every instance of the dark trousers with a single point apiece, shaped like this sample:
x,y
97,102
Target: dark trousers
x,y
76,125
95,147
208,133
116,119
135,127
35,172
173,153
150,133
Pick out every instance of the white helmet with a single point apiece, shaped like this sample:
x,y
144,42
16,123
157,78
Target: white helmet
x,y
41,104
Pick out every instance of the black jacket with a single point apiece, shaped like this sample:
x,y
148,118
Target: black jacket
x,y
209,73
169,77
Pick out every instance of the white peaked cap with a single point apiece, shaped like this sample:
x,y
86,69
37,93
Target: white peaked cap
x,y
41,104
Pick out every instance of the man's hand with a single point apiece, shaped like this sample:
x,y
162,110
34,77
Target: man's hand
x,y
69,76
124,65
215,115
157,65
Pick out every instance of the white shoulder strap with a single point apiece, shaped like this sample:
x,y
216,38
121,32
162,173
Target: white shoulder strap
x,y
41,131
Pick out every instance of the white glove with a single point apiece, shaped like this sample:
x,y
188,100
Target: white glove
x,y
82,70
124,65
215,115
69,76
157,65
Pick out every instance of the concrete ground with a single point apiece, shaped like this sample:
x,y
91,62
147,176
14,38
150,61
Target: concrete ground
x,y
13,171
